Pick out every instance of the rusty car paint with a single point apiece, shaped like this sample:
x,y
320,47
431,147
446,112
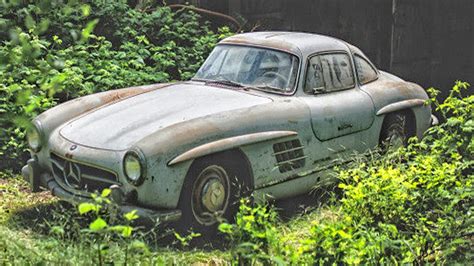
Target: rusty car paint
x,y
171,149
56,116
200,131
230,143
146,113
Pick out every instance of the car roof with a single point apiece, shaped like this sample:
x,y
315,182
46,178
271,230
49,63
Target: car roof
x,y
299,43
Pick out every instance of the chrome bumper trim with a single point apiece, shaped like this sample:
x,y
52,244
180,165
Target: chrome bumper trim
x,y
33,175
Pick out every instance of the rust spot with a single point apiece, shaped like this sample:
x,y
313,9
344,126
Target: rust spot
x,y
121,94
68,155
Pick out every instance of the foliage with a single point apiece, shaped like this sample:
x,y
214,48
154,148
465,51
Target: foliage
x,y
50,57
185,240
101,229
36,229
254,234
413,205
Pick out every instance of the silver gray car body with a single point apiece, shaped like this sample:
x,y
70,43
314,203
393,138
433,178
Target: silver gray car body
x,y
172,125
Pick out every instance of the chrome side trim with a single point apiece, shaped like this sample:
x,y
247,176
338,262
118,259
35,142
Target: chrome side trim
x,y
229,143
400,106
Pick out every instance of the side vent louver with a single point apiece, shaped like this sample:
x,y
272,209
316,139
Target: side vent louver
x,y
289,155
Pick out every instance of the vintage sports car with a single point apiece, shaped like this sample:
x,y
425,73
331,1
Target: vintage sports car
x,y
268,113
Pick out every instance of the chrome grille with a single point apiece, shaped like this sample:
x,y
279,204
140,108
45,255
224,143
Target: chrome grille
x,y
289,155
79,176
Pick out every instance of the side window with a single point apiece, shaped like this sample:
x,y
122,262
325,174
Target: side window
x,y
330,72
365,72
314,76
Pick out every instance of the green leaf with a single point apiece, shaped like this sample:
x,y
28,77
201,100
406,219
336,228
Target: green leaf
x,y
226,228
105,193
30,23
130,216
86,207
86,10
124,230
87,31
139,246
98,224
127,231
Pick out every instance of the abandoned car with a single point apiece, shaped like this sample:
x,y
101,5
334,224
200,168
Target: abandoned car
x,y
268,113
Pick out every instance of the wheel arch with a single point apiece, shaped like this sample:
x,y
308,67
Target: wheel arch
x,y
233,158
236,157
410,123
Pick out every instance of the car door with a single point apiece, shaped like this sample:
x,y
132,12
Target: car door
x,y
338,106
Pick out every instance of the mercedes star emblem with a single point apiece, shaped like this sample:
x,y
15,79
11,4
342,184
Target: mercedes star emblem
x,y
72,175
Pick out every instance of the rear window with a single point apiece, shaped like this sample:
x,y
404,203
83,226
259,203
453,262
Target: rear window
x,y
365,72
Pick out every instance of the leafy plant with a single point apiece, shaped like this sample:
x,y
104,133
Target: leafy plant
x,y
254,234
411,206
101,229
185,240
55,52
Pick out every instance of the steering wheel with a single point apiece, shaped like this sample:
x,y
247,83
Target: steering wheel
x,y
281,79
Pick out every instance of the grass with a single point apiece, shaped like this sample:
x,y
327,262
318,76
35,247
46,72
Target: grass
x,y
26,220
28,236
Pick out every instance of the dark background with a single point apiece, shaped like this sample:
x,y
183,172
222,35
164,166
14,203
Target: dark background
x,y
429,42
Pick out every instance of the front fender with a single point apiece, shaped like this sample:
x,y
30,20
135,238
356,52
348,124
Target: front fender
x,y
56,116
170,151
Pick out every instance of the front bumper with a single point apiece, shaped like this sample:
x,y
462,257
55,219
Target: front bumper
x,y
38,179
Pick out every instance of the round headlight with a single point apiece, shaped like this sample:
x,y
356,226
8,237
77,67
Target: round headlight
x,y
133,167
33,137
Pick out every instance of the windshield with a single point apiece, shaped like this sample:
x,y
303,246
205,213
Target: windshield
x,y
258,68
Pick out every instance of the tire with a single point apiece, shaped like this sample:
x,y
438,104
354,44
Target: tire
x,y
210,194
394,132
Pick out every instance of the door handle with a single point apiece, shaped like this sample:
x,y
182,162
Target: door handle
x,y
344,126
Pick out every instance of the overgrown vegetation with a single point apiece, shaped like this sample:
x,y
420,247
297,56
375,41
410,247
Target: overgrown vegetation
x,y
414,205
51,52
36,229
411,206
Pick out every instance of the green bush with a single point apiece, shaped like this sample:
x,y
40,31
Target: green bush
x,y
413,205
51,55
254,234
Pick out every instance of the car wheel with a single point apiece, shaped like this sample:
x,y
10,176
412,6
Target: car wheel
x,y
210,194
394,132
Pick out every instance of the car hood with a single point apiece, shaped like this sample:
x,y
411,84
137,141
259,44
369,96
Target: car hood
x,y
118,126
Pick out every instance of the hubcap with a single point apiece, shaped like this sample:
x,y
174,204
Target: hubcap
x,y
213,195
210,194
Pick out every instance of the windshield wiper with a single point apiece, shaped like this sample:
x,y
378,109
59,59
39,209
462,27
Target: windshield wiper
x,y
268,88
224,82
240,85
